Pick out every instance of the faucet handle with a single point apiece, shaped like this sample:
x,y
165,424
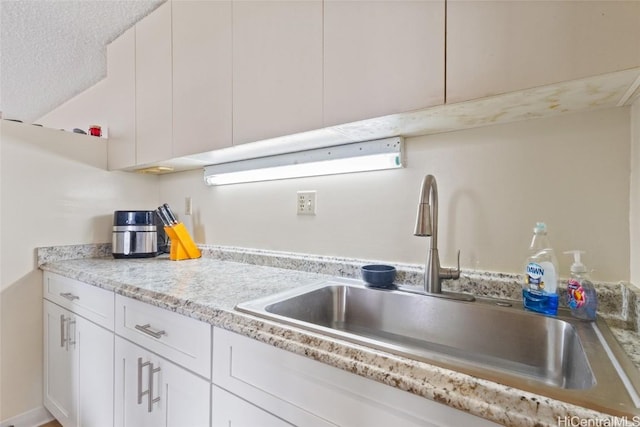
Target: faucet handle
x,y
456,274
450,273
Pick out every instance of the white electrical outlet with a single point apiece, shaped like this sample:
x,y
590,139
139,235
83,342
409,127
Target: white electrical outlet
x,y
188,206
306,202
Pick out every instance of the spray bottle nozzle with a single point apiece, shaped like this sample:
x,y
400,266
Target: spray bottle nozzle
x,y
577,266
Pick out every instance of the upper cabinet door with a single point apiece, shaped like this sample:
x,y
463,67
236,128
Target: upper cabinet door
x,y
382,57
496,46
153,87
201,76
121,103
277,68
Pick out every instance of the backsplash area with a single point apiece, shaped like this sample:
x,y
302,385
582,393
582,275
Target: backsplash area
x,y
61,253
618,302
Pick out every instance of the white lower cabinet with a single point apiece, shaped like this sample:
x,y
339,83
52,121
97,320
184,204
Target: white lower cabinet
x,y
78,369
60,366
95,378
156,369
151,391
95,360
304,392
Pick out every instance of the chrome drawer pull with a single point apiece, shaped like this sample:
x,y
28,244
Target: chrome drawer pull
x,y
147,330
69,296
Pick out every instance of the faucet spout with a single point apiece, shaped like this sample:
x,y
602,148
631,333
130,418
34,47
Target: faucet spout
x,y
427,225
427,218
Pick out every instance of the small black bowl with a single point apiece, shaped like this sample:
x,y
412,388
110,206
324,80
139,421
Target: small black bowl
x,y
379,276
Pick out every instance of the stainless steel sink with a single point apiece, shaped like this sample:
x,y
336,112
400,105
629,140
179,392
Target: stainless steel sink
x,y
559,357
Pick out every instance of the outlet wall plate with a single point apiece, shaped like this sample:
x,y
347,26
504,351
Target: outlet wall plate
x,y
188,206
306,203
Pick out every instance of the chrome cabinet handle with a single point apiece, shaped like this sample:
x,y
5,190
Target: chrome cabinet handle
x,y
152,400
71,322
147,330
62,338
69,296
65,332
149,391
141,393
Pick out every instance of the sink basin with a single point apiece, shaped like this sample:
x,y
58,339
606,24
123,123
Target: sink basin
x,y
550,351
559,357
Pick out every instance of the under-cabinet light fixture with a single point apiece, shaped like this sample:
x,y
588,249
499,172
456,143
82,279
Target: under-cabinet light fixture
x,y
354,157
155,170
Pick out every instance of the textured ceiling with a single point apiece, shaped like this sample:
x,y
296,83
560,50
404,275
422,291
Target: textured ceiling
x,y
51,50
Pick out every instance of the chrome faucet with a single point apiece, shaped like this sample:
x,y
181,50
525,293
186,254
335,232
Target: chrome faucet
x,y
427,225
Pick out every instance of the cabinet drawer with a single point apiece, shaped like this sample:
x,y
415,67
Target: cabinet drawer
x,y
88,301
180,339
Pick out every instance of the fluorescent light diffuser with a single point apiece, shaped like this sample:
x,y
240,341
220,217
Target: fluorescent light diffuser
x,y
355,157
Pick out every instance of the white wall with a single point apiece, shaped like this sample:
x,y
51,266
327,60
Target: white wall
x,y
494,184
55,191
634,212
82,111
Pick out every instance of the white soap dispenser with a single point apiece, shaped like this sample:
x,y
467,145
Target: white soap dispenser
x,y
581,295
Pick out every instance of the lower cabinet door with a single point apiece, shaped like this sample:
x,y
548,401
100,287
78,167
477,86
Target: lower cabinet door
x,y
78,369
95,367
60,364
229,410
187,397
151,391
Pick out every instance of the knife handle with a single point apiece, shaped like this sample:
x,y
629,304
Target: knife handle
x,y
163,217
172,217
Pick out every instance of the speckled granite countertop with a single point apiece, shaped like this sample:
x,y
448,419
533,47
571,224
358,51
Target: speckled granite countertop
x,y
208,289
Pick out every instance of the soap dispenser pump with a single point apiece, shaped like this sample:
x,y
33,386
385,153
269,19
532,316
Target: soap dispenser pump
x,y
581,294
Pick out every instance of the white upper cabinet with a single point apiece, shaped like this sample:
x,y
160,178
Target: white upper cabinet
x,y
153,87
496,46
121,103
382,57
195,76
201,76
277,68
